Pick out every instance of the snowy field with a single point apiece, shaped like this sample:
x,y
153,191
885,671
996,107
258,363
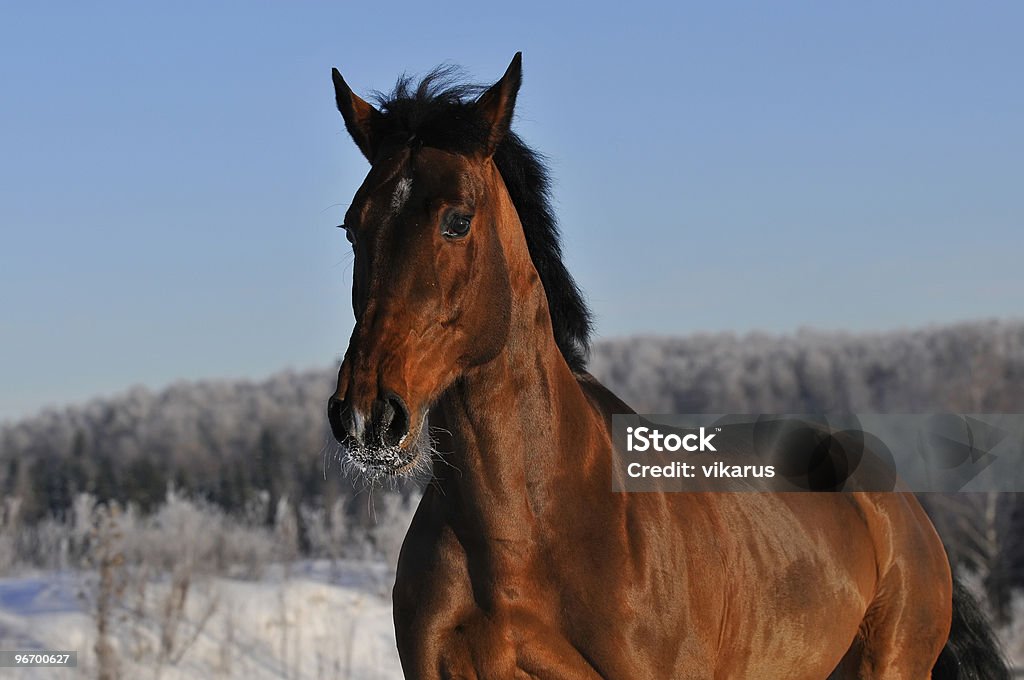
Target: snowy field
x,y
314,620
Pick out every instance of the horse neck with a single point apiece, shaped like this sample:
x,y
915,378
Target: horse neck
x,y
525,436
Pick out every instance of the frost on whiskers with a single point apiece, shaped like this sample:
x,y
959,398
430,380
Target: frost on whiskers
x,y
375,465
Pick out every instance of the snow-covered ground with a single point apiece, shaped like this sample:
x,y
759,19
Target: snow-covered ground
x,y
311,620
314,620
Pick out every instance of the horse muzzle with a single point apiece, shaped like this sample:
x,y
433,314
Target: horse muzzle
x,y
378,443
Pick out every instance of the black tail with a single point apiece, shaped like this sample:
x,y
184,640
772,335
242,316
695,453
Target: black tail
x,y
972,652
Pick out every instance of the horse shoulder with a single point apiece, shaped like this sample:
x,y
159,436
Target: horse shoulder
x,y
432,592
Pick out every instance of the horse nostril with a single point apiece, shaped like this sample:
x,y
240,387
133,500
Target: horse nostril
x,y
392,419
335,416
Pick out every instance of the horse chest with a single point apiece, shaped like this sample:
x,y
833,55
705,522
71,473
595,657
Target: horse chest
x,y
482,615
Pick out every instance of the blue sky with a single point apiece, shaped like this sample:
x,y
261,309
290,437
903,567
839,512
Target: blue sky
x,y
172,173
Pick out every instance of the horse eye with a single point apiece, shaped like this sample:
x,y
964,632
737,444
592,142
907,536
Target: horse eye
x,y
457,226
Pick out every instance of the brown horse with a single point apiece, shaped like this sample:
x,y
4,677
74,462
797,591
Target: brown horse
x,y
521,562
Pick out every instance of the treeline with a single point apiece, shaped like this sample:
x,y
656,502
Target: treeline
x,y
231,442
969,367
223,441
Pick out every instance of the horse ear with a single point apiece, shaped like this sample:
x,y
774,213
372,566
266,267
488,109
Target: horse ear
x,y
498,103
361,119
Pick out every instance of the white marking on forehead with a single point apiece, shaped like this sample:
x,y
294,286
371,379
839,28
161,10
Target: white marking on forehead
x,y
401,195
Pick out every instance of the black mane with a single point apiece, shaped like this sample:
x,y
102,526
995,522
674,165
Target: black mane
x,y
439,112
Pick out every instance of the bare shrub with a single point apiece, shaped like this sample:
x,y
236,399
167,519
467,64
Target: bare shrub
x,y
103,589
9,524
